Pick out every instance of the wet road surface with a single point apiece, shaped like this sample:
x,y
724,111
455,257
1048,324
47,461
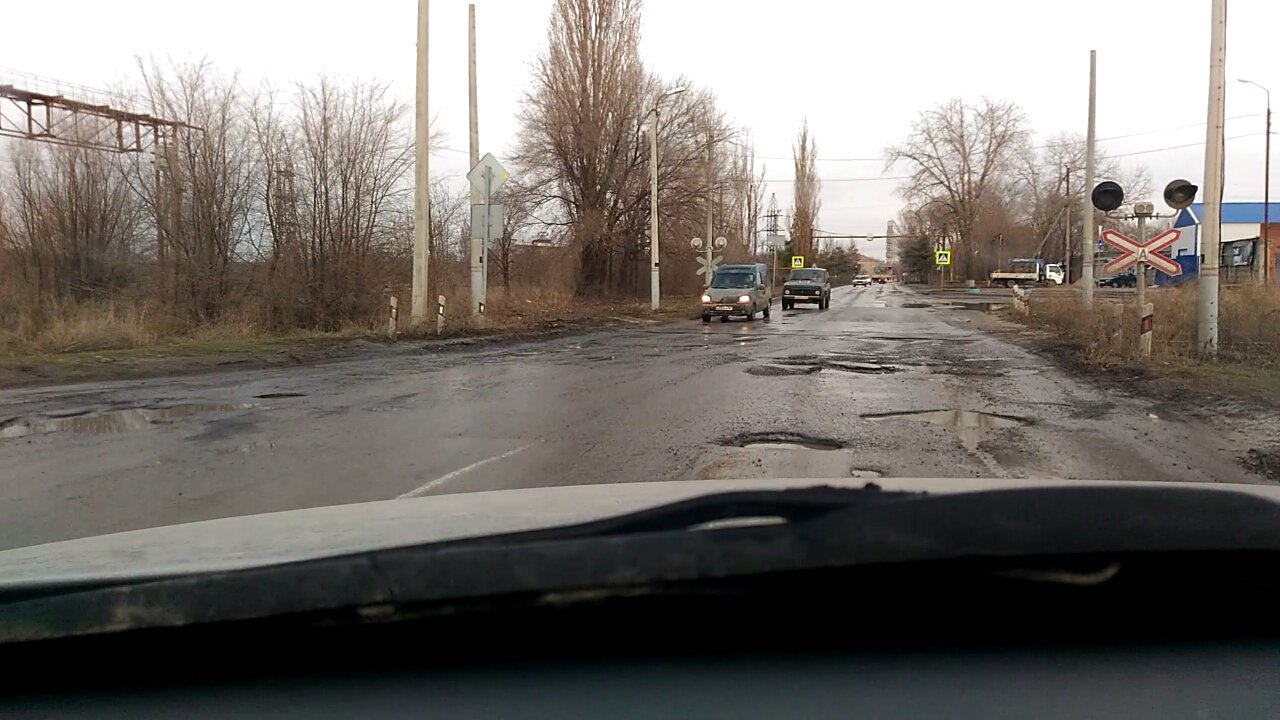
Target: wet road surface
x,y
885,383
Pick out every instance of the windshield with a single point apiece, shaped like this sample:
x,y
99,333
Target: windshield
x,y
734,280
807,275
254,268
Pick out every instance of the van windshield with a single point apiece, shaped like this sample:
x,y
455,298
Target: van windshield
x,y
733,279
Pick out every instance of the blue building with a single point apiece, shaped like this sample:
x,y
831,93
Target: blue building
x,y
1241,234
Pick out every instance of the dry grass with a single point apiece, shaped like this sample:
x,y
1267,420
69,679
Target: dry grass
x,y
1249,325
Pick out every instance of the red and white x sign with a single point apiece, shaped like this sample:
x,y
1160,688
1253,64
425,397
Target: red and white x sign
x,y
1132,251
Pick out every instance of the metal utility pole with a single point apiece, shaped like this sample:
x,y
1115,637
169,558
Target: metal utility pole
x,y
1267,265
477,236
1087,238
421,177
1211,222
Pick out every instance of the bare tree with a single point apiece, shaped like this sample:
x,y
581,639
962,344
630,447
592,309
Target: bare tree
x,y
71,223
200,185
960,156
518,203
807,200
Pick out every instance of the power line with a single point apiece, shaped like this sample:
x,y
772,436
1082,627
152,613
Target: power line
x,y
1038,147
827,180
1179,147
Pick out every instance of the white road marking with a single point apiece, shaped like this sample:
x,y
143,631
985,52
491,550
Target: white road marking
x,y
461,471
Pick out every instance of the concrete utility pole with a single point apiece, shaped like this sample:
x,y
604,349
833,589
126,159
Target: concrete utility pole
x,y
1066,232
1211,222
421,177
711,250
1087,230
1267,266
655,295
477,238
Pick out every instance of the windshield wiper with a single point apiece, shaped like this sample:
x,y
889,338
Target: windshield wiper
x,y
811,529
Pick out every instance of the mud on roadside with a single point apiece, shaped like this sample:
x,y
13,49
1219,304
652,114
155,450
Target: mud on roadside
x,y
1241,403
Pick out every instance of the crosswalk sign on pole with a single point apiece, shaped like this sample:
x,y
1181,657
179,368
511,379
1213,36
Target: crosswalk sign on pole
x,y
797,261
942,257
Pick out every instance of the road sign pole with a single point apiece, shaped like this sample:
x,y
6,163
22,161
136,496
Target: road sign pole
x,y
1142,268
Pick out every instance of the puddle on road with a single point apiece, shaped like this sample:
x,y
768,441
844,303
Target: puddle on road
x,y
970,426
916,305
279,395
115,421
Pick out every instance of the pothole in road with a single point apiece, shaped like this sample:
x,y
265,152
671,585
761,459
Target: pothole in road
x,y
279,395
781,441
782,371
115,421
815,363
916,305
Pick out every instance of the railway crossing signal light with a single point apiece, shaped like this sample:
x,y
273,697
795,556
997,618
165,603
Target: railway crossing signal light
x,y
1107,196
1179,194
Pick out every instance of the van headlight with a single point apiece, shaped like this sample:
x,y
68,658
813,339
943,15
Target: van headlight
x,y
744,299
706,298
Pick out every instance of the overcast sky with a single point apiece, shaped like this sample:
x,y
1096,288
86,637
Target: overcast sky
x,y
859,71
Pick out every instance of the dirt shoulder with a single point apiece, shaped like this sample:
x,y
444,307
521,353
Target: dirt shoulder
x,y
198,356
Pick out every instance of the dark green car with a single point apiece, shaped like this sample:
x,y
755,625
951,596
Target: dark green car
x,y
807,285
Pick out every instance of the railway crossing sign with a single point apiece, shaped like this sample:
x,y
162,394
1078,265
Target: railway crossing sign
x,y
942,257
1132,251
713,265
797,261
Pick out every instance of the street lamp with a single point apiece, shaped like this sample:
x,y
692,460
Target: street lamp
x,y
1266,188
654,293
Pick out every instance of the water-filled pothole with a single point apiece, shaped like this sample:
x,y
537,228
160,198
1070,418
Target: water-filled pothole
x,y
980,306
782,441
279,395
111,422
916,305
955,418
971,426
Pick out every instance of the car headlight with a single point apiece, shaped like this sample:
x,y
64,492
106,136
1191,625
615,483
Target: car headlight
x,y
744,299
706,298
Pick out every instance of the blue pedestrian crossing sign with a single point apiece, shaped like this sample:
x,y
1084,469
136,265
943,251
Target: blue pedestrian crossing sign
x,y
797,261
942,257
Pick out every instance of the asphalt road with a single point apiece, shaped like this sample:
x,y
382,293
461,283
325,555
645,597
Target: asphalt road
x,y
885,383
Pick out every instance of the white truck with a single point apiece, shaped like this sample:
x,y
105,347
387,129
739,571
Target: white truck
x,y
1029,271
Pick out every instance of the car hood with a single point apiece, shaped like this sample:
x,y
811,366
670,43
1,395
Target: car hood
x,y
730,294
803,283
282,537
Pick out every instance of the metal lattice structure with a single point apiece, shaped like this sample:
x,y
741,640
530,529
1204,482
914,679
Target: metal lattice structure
x,y
33,108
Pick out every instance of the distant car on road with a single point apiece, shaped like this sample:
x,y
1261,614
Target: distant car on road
x,y
861,280
807,285
1123,280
